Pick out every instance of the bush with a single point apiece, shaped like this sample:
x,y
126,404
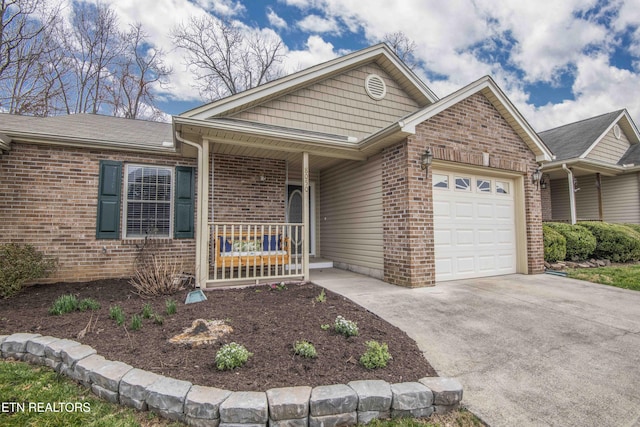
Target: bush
x,y
614,242
305,349
231,356
555,245
345,327
156,273
64,304
20,264
580,242
376,356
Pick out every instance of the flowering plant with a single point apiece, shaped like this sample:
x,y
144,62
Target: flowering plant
x,y
345,327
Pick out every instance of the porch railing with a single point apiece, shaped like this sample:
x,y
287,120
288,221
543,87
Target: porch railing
x,y
250,251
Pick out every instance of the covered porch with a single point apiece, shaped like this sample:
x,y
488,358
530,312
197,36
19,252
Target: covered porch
x,y
257,205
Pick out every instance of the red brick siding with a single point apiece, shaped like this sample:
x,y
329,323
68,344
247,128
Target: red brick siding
x,y
48,198
459,134
545,195
241,196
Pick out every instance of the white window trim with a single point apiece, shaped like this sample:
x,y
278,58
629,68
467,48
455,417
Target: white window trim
x,y
125,199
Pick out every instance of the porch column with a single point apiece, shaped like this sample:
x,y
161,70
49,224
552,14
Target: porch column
x,y
305,215
599,192
202,228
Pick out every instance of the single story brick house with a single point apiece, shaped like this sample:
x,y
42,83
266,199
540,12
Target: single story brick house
x,y
596,172
354,160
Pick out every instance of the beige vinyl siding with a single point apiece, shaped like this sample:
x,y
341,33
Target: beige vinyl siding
x,y
621,198
338,106
560,200
610,149
586,199
351,215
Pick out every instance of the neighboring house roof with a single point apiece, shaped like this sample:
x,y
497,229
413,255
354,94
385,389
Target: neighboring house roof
x,y
89,130
573,145
574,139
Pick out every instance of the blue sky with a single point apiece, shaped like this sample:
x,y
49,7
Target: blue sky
x,y
558,60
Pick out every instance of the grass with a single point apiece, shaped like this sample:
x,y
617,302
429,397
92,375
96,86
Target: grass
x,y
24,383
624,276
39,386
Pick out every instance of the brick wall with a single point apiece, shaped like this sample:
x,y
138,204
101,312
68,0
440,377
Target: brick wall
x,y
48,198
545,196
239,193
459,134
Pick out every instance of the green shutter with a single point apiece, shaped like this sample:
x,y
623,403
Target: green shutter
x,y
109,185
184,203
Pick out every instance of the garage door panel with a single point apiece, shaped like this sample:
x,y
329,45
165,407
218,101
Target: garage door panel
x,y
474,230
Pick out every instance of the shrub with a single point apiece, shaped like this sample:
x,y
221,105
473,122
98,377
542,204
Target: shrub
x,y
345,327
136,322
231,356
88,304
20,264
580,241
555,245
614,242
376,356
64,304
156,273
305,349
117,314
171,306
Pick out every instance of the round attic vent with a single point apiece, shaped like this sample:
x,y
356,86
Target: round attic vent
x,y
375,87
616,131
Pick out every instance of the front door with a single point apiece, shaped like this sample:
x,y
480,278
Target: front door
x,y
294,215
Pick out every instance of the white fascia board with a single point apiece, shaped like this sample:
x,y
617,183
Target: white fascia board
x,y
36,138
5,142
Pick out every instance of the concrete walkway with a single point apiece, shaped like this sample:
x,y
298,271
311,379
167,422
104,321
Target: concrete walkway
x,y
529,350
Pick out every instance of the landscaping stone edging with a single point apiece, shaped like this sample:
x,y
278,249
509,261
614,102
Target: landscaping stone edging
x,y
200,406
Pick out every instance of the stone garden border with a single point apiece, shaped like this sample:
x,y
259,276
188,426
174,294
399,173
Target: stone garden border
x,y
322,406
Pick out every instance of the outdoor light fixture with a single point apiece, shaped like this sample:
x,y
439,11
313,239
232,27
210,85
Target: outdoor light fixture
x,y
536,177
426,159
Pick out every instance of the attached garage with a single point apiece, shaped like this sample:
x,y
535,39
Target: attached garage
x,y
475,227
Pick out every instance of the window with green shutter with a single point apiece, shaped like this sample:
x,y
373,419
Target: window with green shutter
x,y
109,187
184,203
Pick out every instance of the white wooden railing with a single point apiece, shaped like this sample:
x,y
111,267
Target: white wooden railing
x,y
250,251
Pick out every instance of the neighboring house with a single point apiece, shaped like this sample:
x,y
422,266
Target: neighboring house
x,y
596,171
328,162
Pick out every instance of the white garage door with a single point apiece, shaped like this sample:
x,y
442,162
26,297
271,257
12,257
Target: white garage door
x,y
474,225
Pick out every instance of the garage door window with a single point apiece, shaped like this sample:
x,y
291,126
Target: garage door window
x,y
483,185
440,181
502,187
463,184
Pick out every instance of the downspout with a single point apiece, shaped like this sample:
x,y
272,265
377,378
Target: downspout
x,y
572,193
201,281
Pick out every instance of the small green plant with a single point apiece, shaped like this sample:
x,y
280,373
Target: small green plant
x,y
305,349
231,356
20,264
376,356
325,327
116,314
278,286
88,304
171,306
147,311
157,319
345,327
322,297
136,322
64,304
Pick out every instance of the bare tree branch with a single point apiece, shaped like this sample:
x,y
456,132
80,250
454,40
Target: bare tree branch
x,y
403,46
225,59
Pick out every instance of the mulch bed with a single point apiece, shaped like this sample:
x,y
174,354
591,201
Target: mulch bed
x,y
265,320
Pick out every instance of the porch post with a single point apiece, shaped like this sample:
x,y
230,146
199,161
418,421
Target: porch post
x,y
202,229
572,193
599,192
305,215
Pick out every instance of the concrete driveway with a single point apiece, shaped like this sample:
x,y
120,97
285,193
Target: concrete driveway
x,y
529,350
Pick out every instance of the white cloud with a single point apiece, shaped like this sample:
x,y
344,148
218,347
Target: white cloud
x,y
222,8
275,20
318,25
316,51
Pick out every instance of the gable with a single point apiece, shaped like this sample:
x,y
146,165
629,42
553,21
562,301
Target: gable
x,y
471,127
338,105
610,148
